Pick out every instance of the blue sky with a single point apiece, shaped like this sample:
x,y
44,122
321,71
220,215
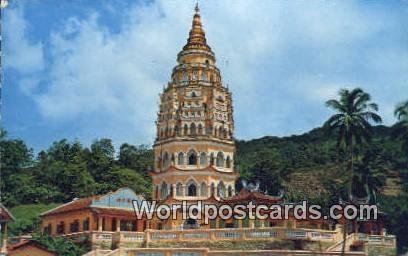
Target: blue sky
x,y
84,69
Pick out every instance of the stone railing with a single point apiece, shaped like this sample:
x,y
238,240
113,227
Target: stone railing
x,y
238,234
387,240
124,239
207,252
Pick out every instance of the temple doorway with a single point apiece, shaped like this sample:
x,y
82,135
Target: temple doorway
x,y
190,224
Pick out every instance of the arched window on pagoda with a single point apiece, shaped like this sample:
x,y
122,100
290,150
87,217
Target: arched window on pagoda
x,y
204,76
180,158
166,160
200,129
191,188
185,132
212,159
179,189
221,189
220,159
184,77
193,130
157,192
220,133
228,162
204,189
192,157
159,162
167,132
229,191
164,192
203,158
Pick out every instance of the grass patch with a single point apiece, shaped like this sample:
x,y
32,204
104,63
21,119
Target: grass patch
x,y
27,217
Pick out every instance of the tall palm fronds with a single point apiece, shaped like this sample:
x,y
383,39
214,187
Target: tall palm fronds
x,y
352,126
401,127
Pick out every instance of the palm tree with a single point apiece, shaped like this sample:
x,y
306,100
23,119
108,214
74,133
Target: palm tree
x,y
401,128
352,124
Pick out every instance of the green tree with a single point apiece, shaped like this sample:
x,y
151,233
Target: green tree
x,y
352,125
401,127
101,158
61,245
124,177
138,158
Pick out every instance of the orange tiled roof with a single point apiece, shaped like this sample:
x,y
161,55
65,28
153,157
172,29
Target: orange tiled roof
x,y
23,243
246,196
5,213
76,204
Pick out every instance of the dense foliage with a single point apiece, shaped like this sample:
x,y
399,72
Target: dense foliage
x,y
67,170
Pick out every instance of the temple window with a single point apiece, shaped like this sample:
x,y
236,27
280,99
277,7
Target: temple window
x,y
180,158
203,189
195,75
184,77
85,224
191,189
212,159
228,162
193,130
158,162
245,222
213,223
221,189
200,128
47,229
185,129
212,189
166,160
164,190
220,159
203,158
61,228
204,76
192,157
127,225
179,189
229,191
74,226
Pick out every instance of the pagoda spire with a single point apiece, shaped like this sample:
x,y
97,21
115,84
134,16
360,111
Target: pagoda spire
x,y
196,39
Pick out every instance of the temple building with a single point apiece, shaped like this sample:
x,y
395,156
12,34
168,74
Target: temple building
x,y
111,212
194,148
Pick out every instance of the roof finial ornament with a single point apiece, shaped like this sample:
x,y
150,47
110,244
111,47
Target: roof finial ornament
x,y
197,9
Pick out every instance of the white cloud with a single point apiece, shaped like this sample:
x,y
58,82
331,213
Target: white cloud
x,y
22,54
278,53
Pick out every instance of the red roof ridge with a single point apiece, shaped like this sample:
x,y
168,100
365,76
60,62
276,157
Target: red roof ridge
x,y
86,200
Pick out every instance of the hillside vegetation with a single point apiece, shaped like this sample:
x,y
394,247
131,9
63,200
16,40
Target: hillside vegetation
x,y
303,167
